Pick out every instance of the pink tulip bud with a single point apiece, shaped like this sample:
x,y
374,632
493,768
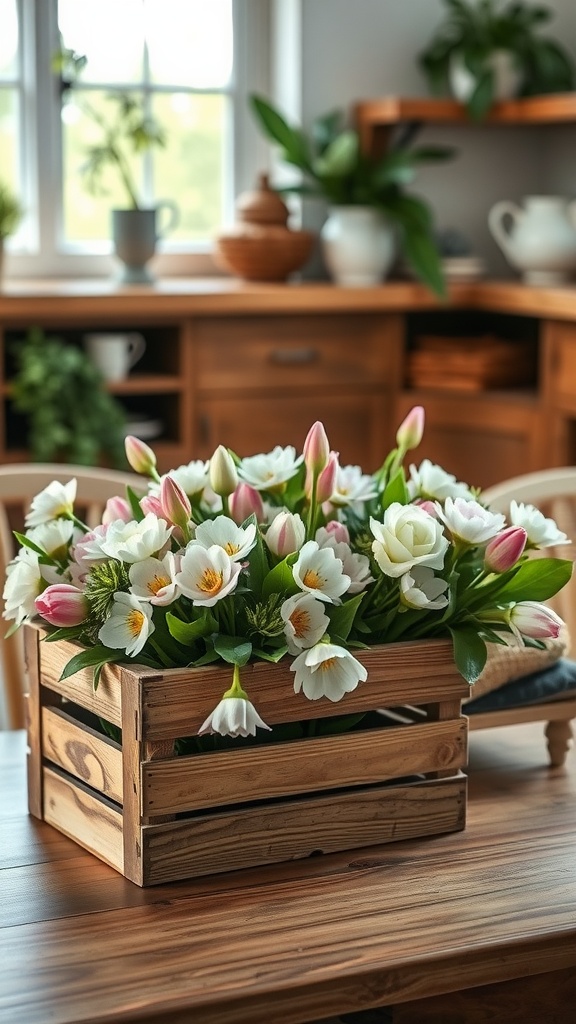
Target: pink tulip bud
x,y
327,479
175,504
411,429
536,621
62,605
285,534
339,531
141,458
316,448
150,503
504,550
428,506
117,508
245,502
223,475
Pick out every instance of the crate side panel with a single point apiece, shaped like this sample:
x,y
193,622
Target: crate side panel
x,y
177,703
104,702
293,829
80,750
83,816
304,766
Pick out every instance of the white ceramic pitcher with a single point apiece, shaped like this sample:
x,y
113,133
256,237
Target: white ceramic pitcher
x,y
540,239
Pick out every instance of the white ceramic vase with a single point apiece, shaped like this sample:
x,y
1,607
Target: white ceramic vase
x,y
507,76
358,245
539,239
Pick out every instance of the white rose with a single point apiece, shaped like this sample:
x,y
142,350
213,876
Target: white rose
x,y
408,536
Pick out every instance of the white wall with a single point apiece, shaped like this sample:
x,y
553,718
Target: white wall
x,y
356,49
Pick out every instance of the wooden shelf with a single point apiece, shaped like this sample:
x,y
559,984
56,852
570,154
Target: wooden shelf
x,y
555,108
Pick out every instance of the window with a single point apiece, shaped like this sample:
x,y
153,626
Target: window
x,y
189,63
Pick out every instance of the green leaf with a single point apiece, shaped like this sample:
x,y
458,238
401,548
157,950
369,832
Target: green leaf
x,y
334,726
27,543
483,96
233,649
134,502
292,140
469,652
93,656
395,490
342,616
188,633
273,656
339,158
537,580
258,567
280,579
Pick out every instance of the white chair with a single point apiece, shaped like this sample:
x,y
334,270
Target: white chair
x,y
18,485
553,491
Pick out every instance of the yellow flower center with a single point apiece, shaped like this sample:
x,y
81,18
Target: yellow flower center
x,y
135,621
210,581
301,622
157,583
231,549
312,579
324,666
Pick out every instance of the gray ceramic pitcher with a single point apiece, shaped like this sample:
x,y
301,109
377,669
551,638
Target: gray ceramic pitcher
x,y
135,233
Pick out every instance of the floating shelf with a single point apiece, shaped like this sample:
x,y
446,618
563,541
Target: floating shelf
x,y
556,108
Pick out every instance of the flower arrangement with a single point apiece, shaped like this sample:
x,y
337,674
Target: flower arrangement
x,y
284,555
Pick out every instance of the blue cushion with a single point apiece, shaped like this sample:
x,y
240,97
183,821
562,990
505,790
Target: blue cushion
x,y
537,688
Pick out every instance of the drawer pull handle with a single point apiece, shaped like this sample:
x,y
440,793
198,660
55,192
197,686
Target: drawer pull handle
x,y
293,355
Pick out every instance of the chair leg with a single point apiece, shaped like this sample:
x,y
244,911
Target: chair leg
x,y
559,736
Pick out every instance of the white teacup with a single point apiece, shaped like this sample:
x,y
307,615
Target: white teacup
x,y
114,354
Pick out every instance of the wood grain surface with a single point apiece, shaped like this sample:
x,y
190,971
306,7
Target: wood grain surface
x,y
79,944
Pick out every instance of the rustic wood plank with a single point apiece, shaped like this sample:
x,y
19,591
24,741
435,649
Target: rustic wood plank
x,y
275,832
104,702
33,722
131,761
83,816
284,769
85,753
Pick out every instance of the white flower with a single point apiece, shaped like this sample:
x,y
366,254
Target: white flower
x,y
542,531
55,500
233,716
327,671
25,581
352,485
226,534
420,588
356,566
207,574
408,536
128,626
534,620
133,541
154,580
431,482
286,534
192,477
267,471
54,537
469,521
88,550
305,621
318,572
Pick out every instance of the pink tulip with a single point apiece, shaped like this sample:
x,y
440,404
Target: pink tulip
x,y
246,501
141,458
536,621
339,531
428,506
62,605
175,504
316,448
151,503
285,534
504,550
410,431
117,508
327,479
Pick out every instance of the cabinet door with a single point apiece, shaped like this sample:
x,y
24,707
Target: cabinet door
x,y
253,425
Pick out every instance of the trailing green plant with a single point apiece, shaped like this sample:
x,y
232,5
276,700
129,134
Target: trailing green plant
x,y
473,31
10,211
70,415
335,168
127,130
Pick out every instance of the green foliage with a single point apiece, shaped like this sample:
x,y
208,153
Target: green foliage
x,y
335,168
70,416
474,30
10,211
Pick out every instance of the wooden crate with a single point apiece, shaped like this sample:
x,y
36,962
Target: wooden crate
x,y
470,364
157,818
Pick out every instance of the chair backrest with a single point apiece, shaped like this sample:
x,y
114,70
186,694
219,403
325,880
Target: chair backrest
x,y
553,491
18,485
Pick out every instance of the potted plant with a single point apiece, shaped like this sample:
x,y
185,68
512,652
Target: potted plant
x,y
10,216
367,193
488,50
70,416
127,129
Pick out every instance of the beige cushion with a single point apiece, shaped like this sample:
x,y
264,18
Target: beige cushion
x,y
506,663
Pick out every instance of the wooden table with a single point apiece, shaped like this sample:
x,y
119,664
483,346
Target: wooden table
x,y
311,939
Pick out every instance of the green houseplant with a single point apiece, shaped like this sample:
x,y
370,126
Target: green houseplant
x,y
70,416
10,215
486,50
335,168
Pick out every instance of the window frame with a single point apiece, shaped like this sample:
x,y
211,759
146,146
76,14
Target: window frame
x,y
36,251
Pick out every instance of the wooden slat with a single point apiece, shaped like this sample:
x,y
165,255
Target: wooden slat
x,y
33,722
80,750
88,819
271,833
131,759
329,762
104,702
176,703
554,710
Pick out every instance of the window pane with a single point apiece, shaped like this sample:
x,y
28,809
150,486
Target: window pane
x,y
9,162
190,42
8,39
190,170
110,33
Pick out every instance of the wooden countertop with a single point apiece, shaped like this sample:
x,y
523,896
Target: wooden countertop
x,y
25,302
79,944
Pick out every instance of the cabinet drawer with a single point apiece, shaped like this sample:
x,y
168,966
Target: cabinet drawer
x,y
562,382
297,351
